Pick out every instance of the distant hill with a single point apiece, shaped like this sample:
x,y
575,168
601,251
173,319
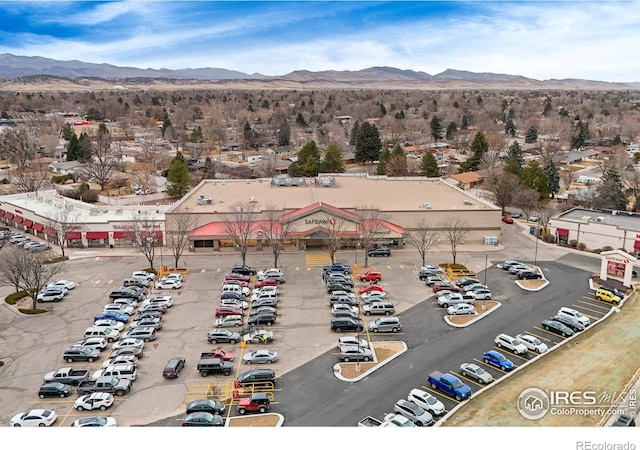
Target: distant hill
x,y
26,70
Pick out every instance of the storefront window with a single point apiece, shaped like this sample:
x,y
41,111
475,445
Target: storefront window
x,y
203,244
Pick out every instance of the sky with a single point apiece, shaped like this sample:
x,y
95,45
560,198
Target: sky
x,y
594,40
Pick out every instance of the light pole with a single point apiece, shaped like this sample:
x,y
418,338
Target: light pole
x,y
358,344
535,256
484,298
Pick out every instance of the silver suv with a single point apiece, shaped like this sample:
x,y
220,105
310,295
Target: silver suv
x,y
568,312
355,352
385,324
145,333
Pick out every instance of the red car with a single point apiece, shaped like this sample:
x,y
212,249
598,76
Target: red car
x,y
238,282
506,219
265,282
237,276
221,354
445,286
228,311
369,288
371,276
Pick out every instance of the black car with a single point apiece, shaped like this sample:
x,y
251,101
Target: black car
x,y
338,287
424,274
81,353
379,251
148,314
572,323
262,319
173,367
557,327
244,270
529,275
231,296
348,314
340,324
202,419
256,376
125,294
345,300
206,405
54,390
466,282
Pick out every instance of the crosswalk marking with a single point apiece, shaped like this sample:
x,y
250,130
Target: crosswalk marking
x,y
318,259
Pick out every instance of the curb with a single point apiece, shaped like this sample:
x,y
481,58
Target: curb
x,y
279,424
337,367
478,317
544,285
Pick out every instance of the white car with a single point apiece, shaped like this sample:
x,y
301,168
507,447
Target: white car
x,y
473,287
461,309
511,343
116,307
34,418
164,299
50,295
168,284
95,421
432,269
235,303
368,295
344,307
397,420
269,273
96,400
481,294
265,289
352,340
533,343
63,283
173,276
109,323
229,321
427,401
128,342
142,274
568,312
93,342
121,360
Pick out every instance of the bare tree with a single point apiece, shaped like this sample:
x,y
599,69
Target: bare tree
x,y
504,188
491,163
103,166
179,228
567,177
61,224
275,231
423,238
18,146
27,180
240,224
528,200
631,179
334,236
141,231
372,223
454,230
28,271
546,212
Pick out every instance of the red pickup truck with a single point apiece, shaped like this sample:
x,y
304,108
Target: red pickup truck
x,y
371,276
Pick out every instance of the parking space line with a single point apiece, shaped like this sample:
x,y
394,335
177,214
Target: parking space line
x,y
553,333
493,367
96,282
511,353
539,337
589,309
440,393
605,308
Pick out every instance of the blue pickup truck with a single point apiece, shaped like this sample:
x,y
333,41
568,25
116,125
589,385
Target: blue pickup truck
x,y
337,267
450,385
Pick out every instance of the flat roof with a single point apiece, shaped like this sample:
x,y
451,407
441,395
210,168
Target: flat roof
x,y
386,194
625,220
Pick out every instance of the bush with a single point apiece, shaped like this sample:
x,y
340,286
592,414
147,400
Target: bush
x,y
60,179
581,246
548,238
13,298
32,311
607,248
573,243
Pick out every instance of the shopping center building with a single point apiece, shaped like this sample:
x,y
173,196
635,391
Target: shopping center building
x,y
312,209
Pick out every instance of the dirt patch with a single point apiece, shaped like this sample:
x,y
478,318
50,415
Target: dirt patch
x,y
383,350
531,284
595,361
257,420
461,320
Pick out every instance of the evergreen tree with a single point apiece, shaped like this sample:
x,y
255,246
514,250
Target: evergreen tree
x,y
196,135
451,130
531,136
300,120
309,159
368,144
533,176
178,178
354,133
547,107
429,166
383,159
180,157
581,134
333,160
73,148
510,127
617,140
383,110
85,152
67,132
553,176
479,147
208,169
515,159
436,128
610,193
165,125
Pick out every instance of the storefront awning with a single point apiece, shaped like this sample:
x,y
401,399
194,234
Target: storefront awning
x,y
562,232
27,223
73,236
2,211
97,235
38,226
120,235
9,215
17,219
636,245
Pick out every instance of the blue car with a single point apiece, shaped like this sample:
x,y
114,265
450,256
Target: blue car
x,y
113,315
498,360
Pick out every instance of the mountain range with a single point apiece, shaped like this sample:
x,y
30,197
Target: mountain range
x,y
20,67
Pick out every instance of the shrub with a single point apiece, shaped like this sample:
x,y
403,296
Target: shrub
x,y
581,246
573,243
60,179
32,311
13,298
607,248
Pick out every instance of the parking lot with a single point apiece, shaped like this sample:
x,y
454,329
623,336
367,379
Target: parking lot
x,y
306,347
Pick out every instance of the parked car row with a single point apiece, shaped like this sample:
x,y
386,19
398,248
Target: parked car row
x,y
55,292
24,241
521,270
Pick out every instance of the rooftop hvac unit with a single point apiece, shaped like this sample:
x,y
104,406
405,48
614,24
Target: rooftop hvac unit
x,y
58,205
118,210
426,205
94,211
142,212
468,202
600,219
68,206
586,218
48,201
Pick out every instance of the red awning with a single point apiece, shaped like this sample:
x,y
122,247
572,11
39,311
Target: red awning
x,y
158,234
97,235
72,236
27,222
636,245
2,211
120,235
38,226
17,219
562,232
49,231
9,215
